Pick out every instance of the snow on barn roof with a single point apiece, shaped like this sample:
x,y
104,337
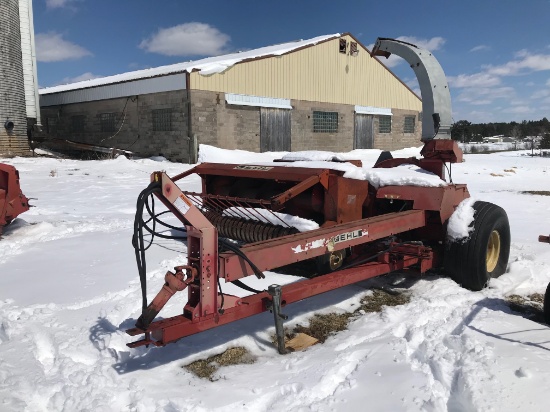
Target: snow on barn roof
x,y
207,66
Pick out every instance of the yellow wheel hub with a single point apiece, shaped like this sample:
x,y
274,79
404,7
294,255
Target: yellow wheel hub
x,y
493,251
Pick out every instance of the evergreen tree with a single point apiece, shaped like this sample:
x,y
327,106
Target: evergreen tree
x,y
461,131
545,142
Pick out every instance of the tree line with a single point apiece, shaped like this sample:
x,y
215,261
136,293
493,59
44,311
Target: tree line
x,y
465,131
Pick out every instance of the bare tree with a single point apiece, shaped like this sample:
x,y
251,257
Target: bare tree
x,y
516,132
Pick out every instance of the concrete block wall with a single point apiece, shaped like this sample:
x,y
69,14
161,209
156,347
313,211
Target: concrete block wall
x,y
134,118
216,123
303,137
213,122
398,139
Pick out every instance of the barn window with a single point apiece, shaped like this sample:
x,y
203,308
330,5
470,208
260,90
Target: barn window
x,y
325,122
77,123
353,50
384,124
409,124
343,47
162,120
107,122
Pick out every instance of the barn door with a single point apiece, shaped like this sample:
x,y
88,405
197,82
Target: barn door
x,y
274,130
364,131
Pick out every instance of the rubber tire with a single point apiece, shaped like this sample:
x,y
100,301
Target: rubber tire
x,y
546,308
465,261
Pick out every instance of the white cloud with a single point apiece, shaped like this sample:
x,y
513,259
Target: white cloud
x,y
524,63
54,4
187,39
519,109
81,78
521,53
479,48
485,95
435,43
473,80
544,95
485,87
539,94
476,116
51,47
481,102
389,62
413,85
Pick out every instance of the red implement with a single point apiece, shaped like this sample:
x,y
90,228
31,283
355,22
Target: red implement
x,y
235,229
364,232
12,201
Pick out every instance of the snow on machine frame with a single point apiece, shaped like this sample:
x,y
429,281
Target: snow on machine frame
x,y
12,200
363,231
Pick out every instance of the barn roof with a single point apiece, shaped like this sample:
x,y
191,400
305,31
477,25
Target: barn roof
x,y
207,66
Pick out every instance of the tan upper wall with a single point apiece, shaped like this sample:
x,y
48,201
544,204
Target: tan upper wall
x,y
317,73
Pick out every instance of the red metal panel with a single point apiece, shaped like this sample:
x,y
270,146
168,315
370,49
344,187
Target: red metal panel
x,y
172,329
292,174
202,245
439,199
12,200
296,190
294,248
345,198
444,149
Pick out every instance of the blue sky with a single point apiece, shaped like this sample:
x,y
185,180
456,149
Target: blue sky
x,y
495,53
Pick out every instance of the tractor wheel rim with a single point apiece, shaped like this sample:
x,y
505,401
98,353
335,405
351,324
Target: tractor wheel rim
x,y
493,251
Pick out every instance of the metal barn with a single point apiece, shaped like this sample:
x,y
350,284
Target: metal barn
x,y
325,93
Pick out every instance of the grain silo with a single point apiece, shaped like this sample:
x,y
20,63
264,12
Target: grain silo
x,y
17,76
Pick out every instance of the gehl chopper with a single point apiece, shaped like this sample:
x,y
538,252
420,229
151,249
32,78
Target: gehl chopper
x,y
363,231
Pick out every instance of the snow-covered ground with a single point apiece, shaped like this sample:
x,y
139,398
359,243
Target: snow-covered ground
x,y
69,289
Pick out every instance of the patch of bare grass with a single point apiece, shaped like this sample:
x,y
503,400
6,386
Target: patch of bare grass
x,y
530,306
206,368
380,298
321,327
